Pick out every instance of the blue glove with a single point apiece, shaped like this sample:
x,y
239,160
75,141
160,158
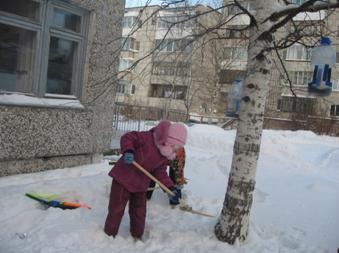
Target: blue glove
x,y
174,200
128,157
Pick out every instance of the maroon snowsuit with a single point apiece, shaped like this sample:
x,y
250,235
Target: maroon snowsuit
x,y
130,184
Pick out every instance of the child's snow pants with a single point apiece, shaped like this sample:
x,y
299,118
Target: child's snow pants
x,y
137,210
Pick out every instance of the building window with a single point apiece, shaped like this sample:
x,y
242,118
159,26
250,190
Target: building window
x,y
296,104
126,65
41,47
335,85
298,2
168,91
170,45
235,53
128,44
17,57
176,22
28,9
129,21
334,110
171,69
301,78
67,20
297,52
121,87
337,57
124,87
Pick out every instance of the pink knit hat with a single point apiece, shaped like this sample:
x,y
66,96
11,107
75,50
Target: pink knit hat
x,y
161,131
177,134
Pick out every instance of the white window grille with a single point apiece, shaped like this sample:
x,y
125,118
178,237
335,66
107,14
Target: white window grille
x,y
298,52
300,78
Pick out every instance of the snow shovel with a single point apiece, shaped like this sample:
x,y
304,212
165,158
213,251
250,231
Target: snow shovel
x,y
183,206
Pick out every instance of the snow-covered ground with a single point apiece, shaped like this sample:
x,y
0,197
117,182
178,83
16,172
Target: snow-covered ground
x,y
295,207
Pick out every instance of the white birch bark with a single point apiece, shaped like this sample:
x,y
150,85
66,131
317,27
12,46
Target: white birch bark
x,y
233,222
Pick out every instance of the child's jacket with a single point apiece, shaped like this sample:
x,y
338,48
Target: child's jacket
x,y
147,155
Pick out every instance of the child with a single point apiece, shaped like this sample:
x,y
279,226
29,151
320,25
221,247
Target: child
x,y
176,173
151,149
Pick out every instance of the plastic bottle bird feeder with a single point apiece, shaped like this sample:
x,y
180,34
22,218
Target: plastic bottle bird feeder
x,y
323,59
234,98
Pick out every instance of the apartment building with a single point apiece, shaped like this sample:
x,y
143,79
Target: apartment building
x,y
281,101
163,63
197,76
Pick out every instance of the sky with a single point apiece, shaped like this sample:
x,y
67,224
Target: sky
x,y
295,208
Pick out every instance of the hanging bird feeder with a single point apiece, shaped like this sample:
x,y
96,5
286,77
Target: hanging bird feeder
x,y
323,59
234,98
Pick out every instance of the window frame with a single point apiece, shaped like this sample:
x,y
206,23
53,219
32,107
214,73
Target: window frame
x,y
129,21
121,87
166,68
174,45
130,44
293,51
18,21
125,64
334,110
291,104
166,91
297,77
45,29
298,2
235,54
335,85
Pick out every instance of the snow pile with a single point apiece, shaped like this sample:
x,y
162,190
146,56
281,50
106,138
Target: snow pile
x,y
295,205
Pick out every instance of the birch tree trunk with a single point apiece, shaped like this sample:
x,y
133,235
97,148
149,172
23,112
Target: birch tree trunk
x,y
233,222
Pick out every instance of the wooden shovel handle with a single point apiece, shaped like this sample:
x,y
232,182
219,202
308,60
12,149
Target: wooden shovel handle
x,y
183,205
153,178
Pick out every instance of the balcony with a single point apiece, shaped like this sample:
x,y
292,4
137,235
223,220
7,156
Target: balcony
x,y
166,79
310,16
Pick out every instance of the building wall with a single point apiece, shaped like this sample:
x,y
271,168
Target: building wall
x,y
278,89
208,89
199,82
320,104
41,137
